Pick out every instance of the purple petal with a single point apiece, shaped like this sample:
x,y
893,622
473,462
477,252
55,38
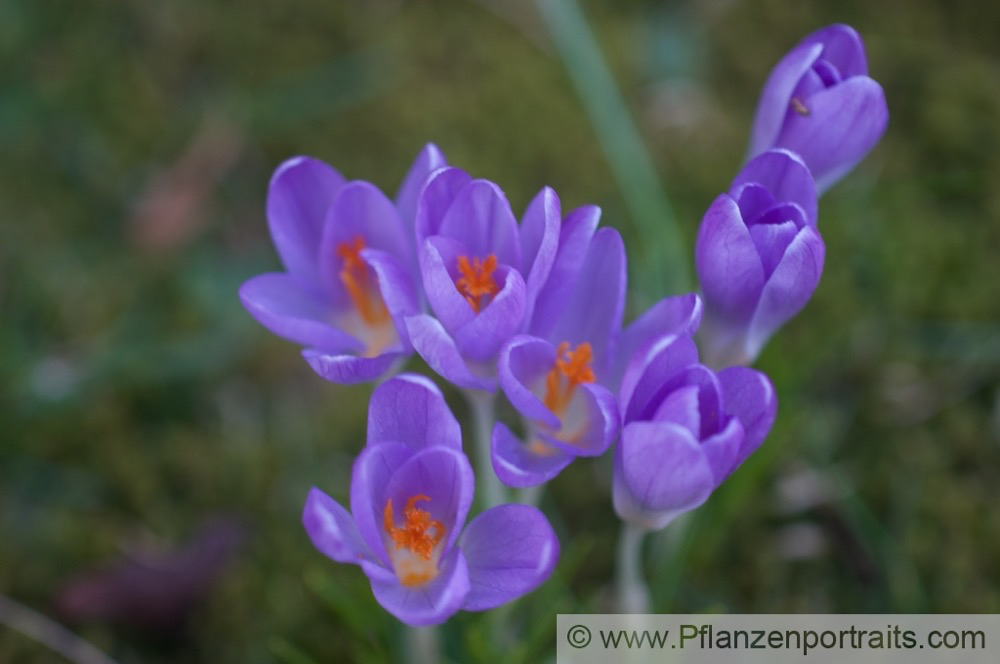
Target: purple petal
x,y
439,267
350,369
396,288
590,423
772,109
332,529
443,475
436,197
481,338
785,176
596,306
373,468
481,219
429,160
660,472
410,409
842,47
749,396
438,349
431,603
539,237
789,288
843,123
523,362
298,199
681,407
771,241
729,268
722,450
517,465
511,550
652,372
674,315
574,239
283,306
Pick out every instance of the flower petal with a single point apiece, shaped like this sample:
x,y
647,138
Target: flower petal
x,y
429,160
674,315
843,124
410,409
652,373
436,197
438,349
750,396
785,176
539,236
373,468
332,529
431,603
842,47
729,268
301,192
772,109
523,361
574,239
660,472
590,424
511,550
481,219
280,303
722,449
791,285
438,267
396,288
350,369
481,338
517,466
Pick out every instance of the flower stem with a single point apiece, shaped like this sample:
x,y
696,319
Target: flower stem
x,y
633,595
483,418
44,630
423,644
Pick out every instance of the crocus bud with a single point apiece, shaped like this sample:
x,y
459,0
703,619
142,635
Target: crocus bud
x,y
820,103
759,257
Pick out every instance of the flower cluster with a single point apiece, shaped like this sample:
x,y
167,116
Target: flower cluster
x,y
533,308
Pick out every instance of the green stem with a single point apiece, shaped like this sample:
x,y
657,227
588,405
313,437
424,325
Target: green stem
x,y
483,417
423,644
632,593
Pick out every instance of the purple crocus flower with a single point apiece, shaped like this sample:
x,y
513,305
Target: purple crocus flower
x,y
482,273
759,256
411,489
350,267
557,377
820,103
686,429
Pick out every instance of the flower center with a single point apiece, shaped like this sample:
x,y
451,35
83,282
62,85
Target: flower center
x,y
359,285
477,281
415,541
571,368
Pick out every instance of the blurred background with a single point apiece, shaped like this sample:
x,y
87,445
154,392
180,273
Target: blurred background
x,y
156,444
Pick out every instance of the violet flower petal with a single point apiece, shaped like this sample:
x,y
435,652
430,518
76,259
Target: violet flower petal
x,y
429,160
672,316
438,349
772,109
523,361
517,466
373,469
590,424
750,396
438,266
650,374
301,192
785,176
511,550
436,197
410,409
396,288
722,450
350,369
481,338
481,219
282,305
842,47
431,603
332,529
539,237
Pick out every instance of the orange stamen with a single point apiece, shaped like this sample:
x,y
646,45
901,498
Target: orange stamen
x,y
572,368
354,275
476,281
419,532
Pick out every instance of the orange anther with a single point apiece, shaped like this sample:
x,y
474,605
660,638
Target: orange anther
x,y
571,368
476,281
419,532
363,293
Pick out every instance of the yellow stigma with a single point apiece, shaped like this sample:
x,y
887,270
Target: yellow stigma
x,y
414,541
477,281
358,284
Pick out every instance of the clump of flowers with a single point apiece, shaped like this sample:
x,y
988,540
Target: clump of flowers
x,y
533,309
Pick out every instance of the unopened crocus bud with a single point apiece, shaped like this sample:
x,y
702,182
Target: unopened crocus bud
x,y
820,103
759,257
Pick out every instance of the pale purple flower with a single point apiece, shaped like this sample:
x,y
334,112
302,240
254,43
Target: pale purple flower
x,y
557,377
686,428
350,267
411,489
759,256
820,103
481,272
